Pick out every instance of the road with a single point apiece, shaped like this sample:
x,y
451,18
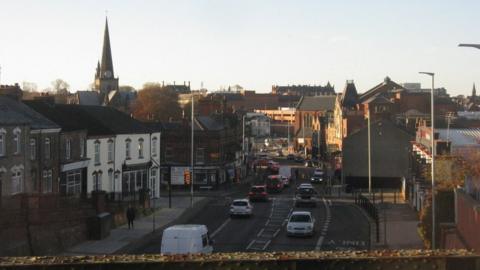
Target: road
x,y
339,225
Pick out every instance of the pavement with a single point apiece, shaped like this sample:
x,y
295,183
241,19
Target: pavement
x,y
122,239
398,224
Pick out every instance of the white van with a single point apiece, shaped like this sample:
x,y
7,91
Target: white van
x,y
186,239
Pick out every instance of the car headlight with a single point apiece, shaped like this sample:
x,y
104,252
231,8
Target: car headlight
x,y
289,227
309,227
312,179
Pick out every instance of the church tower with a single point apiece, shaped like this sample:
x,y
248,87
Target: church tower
x,y
105,80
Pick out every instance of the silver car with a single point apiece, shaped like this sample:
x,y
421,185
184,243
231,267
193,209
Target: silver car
x,y
241,207
301,223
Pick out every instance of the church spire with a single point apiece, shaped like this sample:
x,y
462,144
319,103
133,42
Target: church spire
x,y
474,91
106,68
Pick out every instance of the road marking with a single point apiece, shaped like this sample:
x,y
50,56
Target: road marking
x,y
276,233
220,228
251,243
266,245
260,232
318,246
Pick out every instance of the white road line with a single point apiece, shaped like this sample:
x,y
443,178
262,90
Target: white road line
x,y
276,233
220,228
251,243
266,245
260,232
319,243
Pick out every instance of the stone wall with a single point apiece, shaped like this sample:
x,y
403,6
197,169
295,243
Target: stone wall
x,y
42,224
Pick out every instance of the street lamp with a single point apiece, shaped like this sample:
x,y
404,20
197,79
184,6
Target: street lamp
x,y
470,45
432,138
191,157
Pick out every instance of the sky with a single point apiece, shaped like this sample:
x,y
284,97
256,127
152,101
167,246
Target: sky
x,y
253,43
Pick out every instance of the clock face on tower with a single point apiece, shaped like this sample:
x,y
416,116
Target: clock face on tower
x,y
108,74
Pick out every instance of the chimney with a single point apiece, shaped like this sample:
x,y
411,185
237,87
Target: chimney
x,y
163,83
11,91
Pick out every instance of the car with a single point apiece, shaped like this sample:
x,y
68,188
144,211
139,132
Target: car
x,y
305,195
305,185
308,163
186,239
241,207
275,183
318,177
273,166
301,223
290,157
258,193
299,159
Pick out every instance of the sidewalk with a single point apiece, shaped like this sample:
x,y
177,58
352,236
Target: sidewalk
x,y
397,223
122,239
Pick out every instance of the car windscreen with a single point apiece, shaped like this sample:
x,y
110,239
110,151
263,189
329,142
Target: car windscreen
x,y
240,203
306,191
300,218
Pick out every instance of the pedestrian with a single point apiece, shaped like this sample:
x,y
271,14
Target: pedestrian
x,y
130,216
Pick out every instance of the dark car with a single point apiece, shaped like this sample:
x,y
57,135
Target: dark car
x,y
299,159
290,157
258,193
317,177
305,195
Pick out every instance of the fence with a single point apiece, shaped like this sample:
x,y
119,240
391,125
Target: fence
x,y
371,210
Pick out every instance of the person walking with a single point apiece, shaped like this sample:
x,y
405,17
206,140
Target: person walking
x,y
130,216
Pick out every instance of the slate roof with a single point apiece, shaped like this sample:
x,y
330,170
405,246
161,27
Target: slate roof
x,y
384,87
460,137
97,120
208,123
14,112
90,98
317,103
349,96
378,99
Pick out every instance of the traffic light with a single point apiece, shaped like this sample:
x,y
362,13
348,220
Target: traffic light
x,y
187,177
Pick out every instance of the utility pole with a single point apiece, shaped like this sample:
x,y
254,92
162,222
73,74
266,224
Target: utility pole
x,y
432,138
303,134
369,157
191,156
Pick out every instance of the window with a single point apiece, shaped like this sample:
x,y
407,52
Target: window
x,y
140,148
154,147
153,182
33,149
47,185
73,184
82,147
17,140
47,148
2,142
110,151
97,181
67,149
97,153
169,154
200,156
111,180
128,143
17,182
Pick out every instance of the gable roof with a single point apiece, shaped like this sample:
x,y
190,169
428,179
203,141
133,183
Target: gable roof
x,y
378,99
384,87
349,96
13,112
317,103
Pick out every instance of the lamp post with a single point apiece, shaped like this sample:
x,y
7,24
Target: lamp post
x,y
432,138
191,156
243,140
369,156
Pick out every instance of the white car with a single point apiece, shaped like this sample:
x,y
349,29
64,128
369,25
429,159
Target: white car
x,y
286,181
301,223
241,207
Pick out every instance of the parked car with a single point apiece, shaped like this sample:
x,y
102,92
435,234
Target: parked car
x,y
186,239
290,157
309,163
299,159
258,193
241,207
301,223
275,183
318,176
305,195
